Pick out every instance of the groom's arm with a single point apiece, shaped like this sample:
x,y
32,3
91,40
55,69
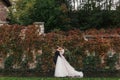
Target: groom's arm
x,y
57,53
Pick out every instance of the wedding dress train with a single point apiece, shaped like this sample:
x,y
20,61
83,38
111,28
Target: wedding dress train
x,y
64,69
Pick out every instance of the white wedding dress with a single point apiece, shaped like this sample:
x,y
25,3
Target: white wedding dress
x,y
64,69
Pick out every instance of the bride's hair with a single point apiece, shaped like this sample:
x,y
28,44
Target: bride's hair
x,y
59,47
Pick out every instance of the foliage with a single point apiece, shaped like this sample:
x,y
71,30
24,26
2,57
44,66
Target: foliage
x,y
91,63
39,63
49,11
20,11
29,48
64,14
111,61
9,62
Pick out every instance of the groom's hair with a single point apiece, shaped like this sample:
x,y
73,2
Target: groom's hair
x,y
57,47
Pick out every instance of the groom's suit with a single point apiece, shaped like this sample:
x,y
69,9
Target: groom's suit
x,y
57,53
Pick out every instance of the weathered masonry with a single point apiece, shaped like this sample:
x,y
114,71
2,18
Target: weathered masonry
x,y
4,4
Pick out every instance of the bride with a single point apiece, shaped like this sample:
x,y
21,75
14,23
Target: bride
x,y
63,68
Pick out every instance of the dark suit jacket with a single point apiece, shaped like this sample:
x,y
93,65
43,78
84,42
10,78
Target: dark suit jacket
x,y
56,56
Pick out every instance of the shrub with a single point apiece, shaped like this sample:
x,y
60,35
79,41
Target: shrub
x,y
8,64
25,41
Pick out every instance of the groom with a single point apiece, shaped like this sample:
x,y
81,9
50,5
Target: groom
x,y
57,53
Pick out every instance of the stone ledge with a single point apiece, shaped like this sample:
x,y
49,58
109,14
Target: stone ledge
x,y
3,22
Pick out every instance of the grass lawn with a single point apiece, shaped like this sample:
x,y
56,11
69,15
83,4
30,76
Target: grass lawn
x,y
47,78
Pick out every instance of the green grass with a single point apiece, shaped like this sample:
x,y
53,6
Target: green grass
x,y
47,78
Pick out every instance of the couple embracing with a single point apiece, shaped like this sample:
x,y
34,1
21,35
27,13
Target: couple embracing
x,y
63,68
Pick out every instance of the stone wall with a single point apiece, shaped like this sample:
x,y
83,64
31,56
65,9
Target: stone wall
x,y
3,12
